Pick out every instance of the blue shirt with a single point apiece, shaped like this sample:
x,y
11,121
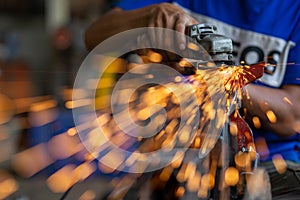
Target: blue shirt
x,y
261,30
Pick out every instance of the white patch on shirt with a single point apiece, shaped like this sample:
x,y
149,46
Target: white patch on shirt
x,y
252,47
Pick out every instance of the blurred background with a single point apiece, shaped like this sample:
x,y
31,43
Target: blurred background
x,y
41,49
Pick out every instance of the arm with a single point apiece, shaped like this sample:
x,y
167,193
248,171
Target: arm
x,y
283,102
117,20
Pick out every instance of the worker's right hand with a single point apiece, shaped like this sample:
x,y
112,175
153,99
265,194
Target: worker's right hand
x,y
170,16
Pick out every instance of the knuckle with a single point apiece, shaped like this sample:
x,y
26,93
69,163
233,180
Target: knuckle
x,y
169,7
164,4
160,7
179,25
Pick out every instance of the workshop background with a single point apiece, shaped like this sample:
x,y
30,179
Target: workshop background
x,y
41,49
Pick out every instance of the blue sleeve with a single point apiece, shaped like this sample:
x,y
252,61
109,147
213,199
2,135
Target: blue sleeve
x,y
135,4
292,74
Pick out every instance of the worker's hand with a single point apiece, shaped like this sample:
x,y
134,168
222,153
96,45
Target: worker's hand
x,y
169,16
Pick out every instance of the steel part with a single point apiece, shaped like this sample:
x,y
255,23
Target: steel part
x,y
218,46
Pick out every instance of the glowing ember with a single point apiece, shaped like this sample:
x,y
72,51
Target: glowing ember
x,y
165,174
72,132
180,191
256,122
88,195
286,100
154,57
231,176
62,180
279,163
163,108
242,160
193,46
32,160
271,116
233,129
6,109
236,77
8,185
208,181
193,182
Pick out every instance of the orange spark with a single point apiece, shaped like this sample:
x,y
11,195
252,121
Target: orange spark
x,y
286,100
208,181
32,160
154,57
62,179
231,176
256,122
279,163
271,116
180,191
8,185
88,195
